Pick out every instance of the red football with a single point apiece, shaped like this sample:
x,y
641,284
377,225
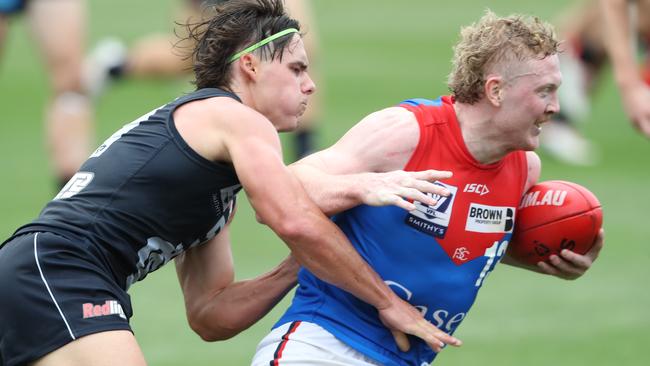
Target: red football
x,y
552,216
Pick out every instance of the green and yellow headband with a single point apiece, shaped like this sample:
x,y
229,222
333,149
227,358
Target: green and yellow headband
x,y
261,43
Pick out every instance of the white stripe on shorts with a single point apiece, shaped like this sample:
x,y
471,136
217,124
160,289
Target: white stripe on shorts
x,y
306,344
38,264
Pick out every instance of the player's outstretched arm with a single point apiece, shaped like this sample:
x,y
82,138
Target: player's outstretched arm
x,y
218,308
364,166
316,243
619,37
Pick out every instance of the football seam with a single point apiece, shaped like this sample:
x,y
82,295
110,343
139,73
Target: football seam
x,y
562,218
582,194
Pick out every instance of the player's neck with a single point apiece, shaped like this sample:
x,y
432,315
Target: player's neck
x,y
477,128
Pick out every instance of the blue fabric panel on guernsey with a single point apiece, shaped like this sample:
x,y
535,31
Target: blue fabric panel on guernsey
x,y
417,270
421,101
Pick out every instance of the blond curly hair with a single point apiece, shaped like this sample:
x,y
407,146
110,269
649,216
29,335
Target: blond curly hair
x,y
492,42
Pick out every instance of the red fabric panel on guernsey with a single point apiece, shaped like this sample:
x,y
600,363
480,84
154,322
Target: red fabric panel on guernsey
x,y
441,147
285,339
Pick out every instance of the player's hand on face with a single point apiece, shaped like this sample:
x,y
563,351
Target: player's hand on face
x,y
402,318
570,265
399,187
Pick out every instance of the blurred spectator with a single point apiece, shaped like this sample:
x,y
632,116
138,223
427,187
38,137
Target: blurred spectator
x,y
59,28
583,60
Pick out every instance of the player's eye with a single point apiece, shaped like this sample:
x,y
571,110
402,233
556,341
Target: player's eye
x,y
545,91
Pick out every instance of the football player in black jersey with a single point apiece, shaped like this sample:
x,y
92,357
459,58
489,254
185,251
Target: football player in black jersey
x,y
164,187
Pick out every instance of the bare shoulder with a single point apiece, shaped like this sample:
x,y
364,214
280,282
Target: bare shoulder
x,y
207,125
392,117
382,141
385,124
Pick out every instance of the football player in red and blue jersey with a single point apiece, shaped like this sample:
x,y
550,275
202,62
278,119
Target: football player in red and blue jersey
x,y
504,82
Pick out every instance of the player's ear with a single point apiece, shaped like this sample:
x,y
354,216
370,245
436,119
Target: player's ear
x,y
248,64
493,88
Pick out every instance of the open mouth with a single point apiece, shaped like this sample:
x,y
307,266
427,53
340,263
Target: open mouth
x,y
539,123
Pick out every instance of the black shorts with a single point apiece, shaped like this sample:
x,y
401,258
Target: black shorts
x,y
54,290
11,6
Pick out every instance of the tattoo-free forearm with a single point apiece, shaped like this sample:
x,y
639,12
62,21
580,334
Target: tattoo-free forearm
x,y
619,38
224,314
331,193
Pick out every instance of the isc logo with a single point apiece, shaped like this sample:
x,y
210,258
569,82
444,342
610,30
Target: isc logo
x,y
481,189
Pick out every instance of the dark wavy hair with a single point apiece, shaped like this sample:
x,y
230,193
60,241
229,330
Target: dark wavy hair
x,y
235,25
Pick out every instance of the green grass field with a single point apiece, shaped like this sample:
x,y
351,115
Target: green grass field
x,y
376,53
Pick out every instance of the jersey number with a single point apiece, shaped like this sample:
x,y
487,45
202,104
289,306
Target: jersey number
x,y
496,250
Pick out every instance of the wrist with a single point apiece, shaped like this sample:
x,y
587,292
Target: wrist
x,y
288,269
628,81
356,188
386,300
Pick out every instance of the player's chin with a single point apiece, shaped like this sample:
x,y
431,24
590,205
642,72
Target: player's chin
x,y
290,124
532,142
527,143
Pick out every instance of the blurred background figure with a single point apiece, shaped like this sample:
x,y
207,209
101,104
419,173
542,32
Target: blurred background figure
x,y
622,18
583,61
163,55
58,28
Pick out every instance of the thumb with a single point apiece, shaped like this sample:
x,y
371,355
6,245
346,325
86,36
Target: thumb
x,y
402,340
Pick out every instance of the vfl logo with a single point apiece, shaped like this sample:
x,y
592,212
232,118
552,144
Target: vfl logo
x,y
110,307
433,220
461,253
490,219
481,189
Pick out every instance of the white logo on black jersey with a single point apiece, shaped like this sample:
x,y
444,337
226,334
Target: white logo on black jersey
x,y
75,185
118,134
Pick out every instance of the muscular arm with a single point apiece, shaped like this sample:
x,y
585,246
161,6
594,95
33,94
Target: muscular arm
x,y
618,40
281,203
223,130
218,308
364,166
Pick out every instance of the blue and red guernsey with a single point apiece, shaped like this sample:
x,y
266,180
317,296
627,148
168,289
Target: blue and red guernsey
x,y
436,257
